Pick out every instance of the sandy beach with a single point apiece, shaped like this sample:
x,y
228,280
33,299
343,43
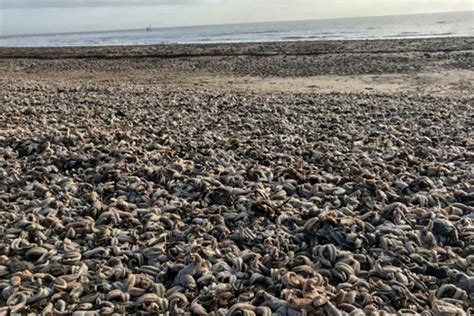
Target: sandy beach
x,y
299,178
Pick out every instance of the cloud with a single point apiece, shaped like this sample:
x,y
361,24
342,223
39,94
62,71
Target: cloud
x,y
11,4
15,4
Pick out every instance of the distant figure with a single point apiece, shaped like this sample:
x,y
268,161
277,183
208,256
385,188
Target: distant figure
x,y
148,28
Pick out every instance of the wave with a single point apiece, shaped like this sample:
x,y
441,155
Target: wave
x,y
416,34
247,33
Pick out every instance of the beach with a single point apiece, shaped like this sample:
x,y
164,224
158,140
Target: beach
x,y
287,178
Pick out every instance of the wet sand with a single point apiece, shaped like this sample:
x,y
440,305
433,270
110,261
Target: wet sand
x,y
323,178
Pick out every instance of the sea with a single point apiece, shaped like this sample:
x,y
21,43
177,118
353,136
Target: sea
x,y
452,24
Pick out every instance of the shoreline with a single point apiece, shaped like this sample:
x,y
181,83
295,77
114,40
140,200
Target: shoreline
x,y
296,47
297,39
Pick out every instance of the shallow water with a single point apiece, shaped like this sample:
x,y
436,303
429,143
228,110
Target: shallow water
x,y
404,26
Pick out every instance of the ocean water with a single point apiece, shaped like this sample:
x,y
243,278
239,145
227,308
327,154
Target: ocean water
x,y
386,27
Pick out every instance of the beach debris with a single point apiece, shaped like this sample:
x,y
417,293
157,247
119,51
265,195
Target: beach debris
x,y
248,204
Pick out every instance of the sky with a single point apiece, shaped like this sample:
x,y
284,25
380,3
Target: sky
x,y
57,16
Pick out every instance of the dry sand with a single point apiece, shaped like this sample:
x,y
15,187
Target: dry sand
x,y
435,66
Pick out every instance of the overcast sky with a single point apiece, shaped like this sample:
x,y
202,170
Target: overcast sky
x,y
53,16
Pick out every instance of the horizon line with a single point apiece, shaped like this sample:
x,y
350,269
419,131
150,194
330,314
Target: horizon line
x,y
224,24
